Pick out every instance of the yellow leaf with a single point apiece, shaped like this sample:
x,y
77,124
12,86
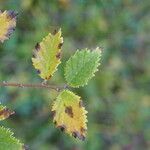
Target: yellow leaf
x,y
5,112
47,54
7,24
69,115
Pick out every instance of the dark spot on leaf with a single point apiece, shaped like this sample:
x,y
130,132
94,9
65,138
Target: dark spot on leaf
x,y
48,77
53,113
81,137
6,112
8,34
62,127
10,30
33,55
58,55
55,31
37,47
38,71
60,45
83,130
12,14
76,134
68,110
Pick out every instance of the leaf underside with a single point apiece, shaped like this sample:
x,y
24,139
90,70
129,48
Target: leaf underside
x,y
81,67
5,112
47,55
8,141
69,115
7,24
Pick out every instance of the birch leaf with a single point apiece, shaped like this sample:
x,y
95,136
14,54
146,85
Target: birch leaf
x,y
47,54
5,112
7,24
8,141
69,115
80,68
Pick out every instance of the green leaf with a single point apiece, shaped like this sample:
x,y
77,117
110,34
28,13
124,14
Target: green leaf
x,y
69,114
47,55
82,66
7,24
8,141
5,112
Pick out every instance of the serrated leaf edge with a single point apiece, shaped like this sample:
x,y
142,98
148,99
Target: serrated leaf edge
x,y
7,130
93,74
85,112
59,60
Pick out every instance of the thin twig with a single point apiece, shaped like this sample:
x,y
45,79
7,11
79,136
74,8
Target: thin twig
x,y
22,85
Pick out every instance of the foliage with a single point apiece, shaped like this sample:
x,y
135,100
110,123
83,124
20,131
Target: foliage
x,y
8,141
117,98
8,24
5,112
81,67
47,55
69,114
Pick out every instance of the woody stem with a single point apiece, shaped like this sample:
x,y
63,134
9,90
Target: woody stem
x,y
22,85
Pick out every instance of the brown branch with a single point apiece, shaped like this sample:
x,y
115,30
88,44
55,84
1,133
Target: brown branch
x,y
22,85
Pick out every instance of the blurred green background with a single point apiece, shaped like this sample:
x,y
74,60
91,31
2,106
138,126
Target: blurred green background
x,y
117,98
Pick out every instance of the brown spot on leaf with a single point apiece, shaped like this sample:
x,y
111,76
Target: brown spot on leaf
x,y
76,134
6,112
10,31
38,71
55,31
33,55
48,77
58,55
82,137
83,130
62,127
12,14
37,47
53,113
60,45
68,110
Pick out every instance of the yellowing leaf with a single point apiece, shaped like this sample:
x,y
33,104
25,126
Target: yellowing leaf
x,y
7,24
69,115
47,54
5,112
